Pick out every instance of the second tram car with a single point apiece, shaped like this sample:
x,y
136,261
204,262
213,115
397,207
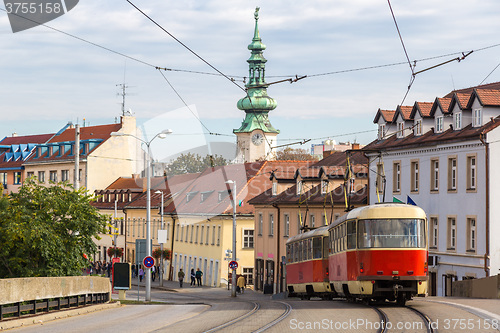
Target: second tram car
x,y
307,264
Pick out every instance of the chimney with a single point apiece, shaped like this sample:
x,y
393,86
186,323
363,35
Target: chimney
x,y
14,134
355,146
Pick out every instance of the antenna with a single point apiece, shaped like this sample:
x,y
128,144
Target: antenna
x,y
123,86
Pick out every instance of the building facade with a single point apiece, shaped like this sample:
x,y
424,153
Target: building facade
x,y
443,157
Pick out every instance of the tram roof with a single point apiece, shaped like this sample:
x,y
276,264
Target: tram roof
x,y
321,231
387,210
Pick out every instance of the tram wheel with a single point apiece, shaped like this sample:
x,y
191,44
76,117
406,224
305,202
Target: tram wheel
x,y
401,300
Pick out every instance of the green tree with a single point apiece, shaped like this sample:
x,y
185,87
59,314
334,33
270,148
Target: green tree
x,y
290,154
191,163
47,231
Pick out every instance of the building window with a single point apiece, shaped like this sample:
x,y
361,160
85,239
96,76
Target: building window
x,y
213,235
261,224
274,189
178,230
30,174
471,173
248,274
192,232
477,118
471,234
324,186
222,195
204,196
190,196
17,178
53,176
414,176
187,234
401,129
182,233
64,175
381,131
201,234
271,224
208,234
439,124
452,174
380,178
458,120
196,237
3,178
434,236
218,235
248,238
312,220
396,183
299,187
418,127
434,175
452,233
286,221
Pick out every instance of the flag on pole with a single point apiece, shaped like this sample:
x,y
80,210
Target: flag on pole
x,y
394,199
409,201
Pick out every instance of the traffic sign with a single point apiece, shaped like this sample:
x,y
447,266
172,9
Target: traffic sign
x,y
148,262
233,265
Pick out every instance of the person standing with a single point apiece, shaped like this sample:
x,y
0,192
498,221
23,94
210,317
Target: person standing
x,y
193,277
180,275
199,274
141,273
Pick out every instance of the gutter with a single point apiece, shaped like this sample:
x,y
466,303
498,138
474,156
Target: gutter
x,y
487,169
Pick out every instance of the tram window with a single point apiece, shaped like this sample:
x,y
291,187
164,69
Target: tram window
x,y
325,248
351,234
391,233
295,252
288,253
309,249
317,247
305,246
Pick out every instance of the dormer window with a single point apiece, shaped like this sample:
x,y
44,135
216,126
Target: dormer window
x,y
478,119
418,128
274,189
299,187
381,131
204,196
401,129
458,120
439,124
324,186
190,196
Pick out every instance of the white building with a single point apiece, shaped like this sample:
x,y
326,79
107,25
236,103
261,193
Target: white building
x,y
445,157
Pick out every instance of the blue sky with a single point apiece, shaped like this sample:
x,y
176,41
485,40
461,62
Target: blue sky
x,y
49,78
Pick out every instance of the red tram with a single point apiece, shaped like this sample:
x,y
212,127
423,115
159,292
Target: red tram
x,y
307,264
377,252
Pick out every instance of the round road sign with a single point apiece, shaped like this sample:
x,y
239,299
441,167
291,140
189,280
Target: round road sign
x,y
233,264
148,262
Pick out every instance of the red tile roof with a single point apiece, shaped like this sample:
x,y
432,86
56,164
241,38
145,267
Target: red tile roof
x,y
486,97
424,108
90,132
25,139
387,115
405,111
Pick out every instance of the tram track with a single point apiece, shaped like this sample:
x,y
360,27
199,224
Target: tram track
x,y
408,324
254,319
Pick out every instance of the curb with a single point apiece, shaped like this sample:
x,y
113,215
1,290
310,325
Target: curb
x,y
40,319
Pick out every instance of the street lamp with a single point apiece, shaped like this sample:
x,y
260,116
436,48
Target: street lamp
x,y
162,135
233,280
161,244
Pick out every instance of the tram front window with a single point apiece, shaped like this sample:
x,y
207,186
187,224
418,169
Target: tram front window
x,y
391,233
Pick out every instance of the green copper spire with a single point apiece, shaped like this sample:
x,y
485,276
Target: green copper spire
x,y
257,103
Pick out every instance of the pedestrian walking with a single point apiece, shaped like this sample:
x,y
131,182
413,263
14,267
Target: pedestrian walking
x,y
141,273
153,273
241,283
133,271
193,277
199,274
180,275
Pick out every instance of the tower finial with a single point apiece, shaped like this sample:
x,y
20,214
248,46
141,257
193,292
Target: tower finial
x,y
256,14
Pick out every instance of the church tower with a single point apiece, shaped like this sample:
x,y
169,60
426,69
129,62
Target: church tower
x,y
256,135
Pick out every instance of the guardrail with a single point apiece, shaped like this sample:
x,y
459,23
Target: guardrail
x,y
31,296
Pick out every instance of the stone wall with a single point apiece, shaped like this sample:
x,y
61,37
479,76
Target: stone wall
x,y
488,287
26,289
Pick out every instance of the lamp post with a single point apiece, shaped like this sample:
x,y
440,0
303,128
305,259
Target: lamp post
x,y
233,280
161,135
161,244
